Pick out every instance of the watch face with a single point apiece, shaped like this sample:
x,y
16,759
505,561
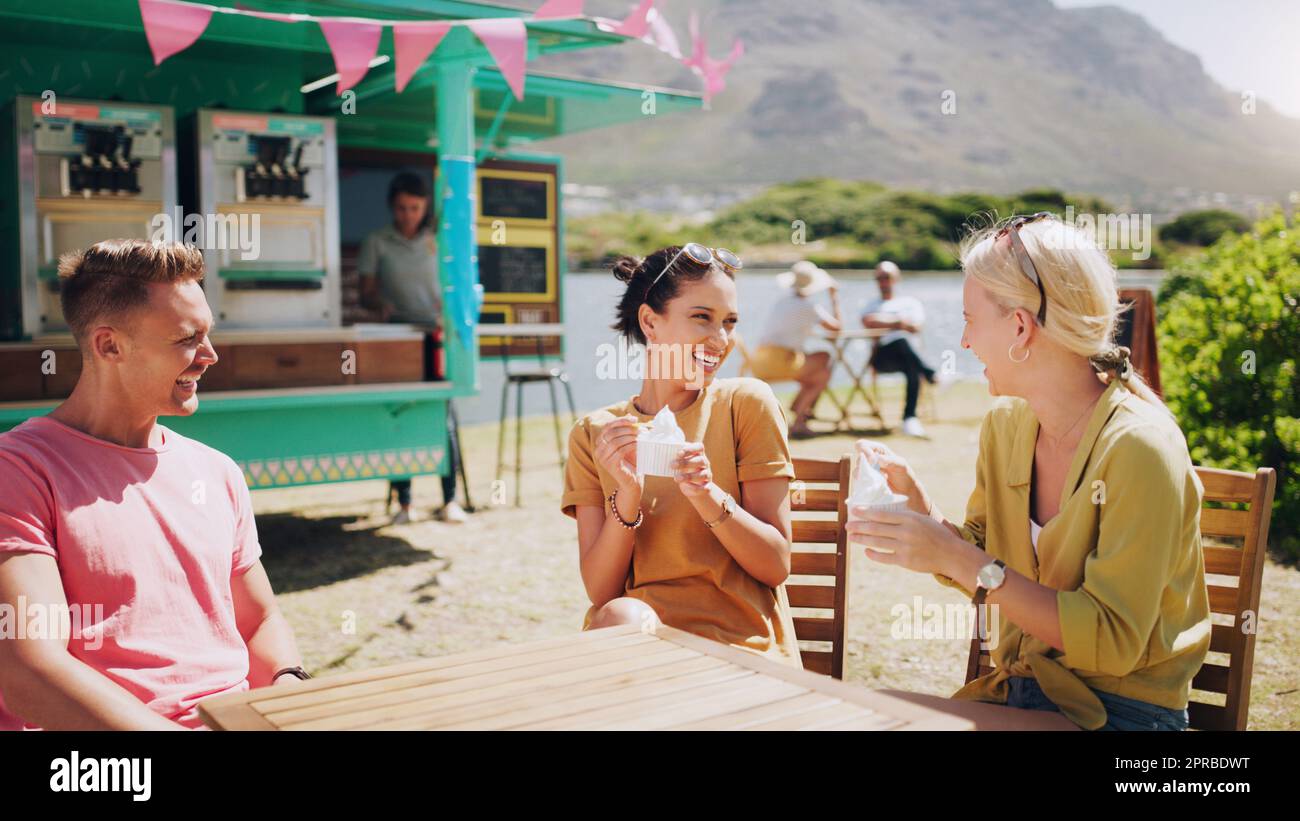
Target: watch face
x,y
991,576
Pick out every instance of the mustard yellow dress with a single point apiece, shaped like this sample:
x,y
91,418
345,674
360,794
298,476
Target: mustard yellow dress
x,y
1124,552
678,566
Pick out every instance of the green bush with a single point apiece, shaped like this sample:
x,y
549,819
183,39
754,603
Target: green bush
x,y
826,207
1160,257
1056,202
1229,336
1203,228
593,242
853,223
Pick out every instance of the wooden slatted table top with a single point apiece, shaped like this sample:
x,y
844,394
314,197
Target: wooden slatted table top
x,y
616,678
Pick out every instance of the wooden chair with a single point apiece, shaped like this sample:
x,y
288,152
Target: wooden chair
x,y
821,486
747,369
746,358
1220,527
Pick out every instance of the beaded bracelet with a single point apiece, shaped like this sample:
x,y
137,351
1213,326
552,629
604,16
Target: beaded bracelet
x,y
640,514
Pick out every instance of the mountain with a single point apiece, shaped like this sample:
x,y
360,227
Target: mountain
x,y
1082,99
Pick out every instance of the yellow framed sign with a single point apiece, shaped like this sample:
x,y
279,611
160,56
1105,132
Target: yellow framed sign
x,y
525,268
506,313
538,111
516,197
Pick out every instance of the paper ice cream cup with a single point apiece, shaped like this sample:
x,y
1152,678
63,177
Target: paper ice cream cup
x,y
656,458
899,505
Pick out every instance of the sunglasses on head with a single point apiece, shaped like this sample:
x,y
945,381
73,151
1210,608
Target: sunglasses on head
x,y
701,255
1012,229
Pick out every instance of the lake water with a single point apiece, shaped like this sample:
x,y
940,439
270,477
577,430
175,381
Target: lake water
x,y
590,299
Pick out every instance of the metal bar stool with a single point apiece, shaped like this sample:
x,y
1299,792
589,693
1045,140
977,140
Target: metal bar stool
x,y
517,379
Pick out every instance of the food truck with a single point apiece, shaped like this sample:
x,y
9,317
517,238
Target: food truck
x,y
244,131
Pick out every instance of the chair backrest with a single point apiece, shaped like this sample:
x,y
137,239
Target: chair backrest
x,y
1234,543
1137,331
820,550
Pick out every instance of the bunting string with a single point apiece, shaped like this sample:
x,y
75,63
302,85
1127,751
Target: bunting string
x,y
171,26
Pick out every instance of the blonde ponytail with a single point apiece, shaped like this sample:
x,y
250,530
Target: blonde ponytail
x,y
1079,280
1115,363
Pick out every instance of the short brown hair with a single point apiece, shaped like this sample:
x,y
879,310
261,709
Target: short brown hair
x,y
110,278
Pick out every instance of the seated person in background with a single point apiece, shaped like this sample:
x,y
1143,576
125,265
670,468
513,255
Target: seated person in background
x,y
142,538
780,355
895,352
398,265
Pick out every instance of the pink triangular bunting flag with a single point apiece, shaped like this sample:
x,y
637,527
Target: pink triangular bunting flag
x,y
507,41
413,43
172,27
636,24
713,71
558,8
661,35
354,46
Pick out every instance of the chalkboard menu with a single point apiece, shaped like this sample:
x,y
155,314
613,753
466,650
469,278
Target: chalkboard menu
x,y
514,198
506,269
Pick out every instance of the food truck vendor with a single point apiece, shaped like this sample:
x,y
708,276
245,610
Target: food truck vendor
x,y
398,265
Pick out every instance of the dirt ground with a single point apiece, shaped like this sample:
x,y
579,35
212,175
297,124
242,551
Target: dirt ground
x,y
360,593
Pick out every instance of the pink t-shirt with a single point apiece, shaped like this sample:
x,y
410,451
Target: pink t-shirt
x,y
147,540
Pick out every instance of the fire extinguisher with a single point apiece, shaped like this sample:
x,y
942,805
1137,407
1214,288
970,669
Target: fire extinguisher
x,y
434,356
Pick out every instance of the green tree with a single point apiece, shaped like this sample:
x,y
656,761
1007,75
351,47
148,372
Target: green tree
x,y
1203,227
1229,336
824,207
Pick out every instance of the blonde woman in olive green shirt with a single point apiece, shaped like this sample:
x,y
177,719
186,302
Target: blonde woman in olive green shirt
x,y
1084,491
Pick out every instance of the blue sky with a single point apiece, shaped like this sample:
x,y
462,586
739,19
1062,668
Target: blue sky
x,y
1246,45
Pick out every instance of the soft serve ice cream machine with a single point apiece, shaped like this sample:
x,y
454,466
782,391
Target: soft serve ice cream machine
x,y
87,171
267,193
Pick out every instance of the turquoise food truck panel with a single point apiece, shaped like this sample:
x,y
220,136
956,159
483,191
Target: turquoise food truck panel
x,y
280,446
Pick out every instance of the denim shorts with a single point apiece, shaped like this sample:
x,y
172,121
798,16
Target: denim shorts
x,y
1122,713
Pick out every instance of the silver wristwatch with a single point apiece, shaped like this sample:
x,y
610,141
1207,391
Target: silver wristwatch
x,y
989,578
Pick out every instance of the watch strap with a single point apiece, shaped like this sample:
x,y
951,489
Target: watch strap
x,y
297,672
728,508
981,613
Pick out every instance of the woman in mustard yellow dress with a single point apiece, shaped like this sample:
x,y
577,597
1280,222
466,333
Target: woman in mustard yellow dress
x,y
1083,529
708,549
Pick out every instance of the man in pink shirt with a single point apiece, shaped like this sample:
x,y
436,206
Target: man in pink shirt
x,y
143,539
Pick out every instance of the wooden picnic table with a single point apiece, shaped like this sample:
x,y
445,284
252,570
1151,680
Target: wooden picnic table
x,y
615,678
840,342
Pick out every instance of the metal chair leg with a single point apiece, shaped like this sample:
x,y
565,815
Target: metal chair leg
x,y
460,455
555,421
501,430
573,408
519,444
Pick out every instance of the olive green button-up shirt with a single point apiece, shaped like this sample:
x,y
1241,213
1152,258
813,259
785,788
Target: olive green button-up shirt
x,y
1124,552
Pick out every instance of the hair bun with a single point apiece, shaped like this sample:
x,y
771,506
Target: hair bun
x,y
1117,359
625,268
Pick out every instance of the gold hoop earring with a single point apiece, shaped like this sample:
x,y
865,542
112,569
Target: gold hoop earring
x,y
1012,358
